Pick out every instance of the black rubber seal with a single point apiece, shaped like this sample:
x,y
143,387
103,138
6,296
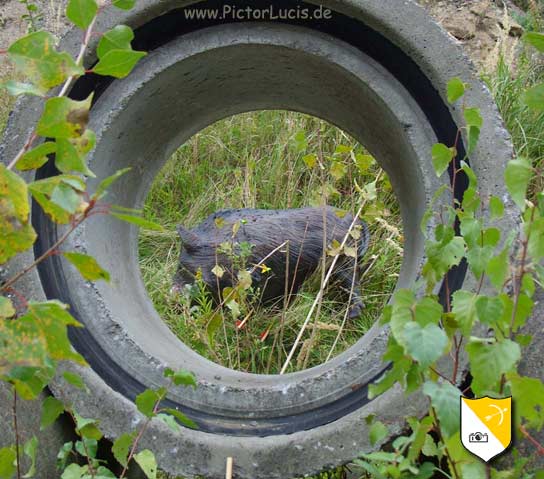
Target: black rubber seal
x,y
160,31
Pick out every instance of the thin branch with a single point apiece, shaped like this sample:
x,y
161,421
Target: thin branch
x,y
48,253
319,294
16,431
532,440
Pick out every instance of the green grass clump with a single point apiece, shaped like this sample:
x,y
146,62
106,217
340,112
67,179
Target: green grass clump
x,y
526,126
270,159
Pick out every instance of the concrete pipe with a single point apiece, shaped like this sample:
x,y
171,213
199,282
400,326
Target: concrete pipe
x,y
378,70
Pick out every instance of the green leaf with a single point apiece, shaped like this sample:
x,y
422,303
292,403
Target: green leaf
x,y
30,449
426,344
147,462
442,256
456,89
66,198
118,63
138,221
488,362
213,325
181,377
182,418
8,459
71,153
170,421
104,473
16,88
420,428
64,117
22,344
338,170
103,186
87,266
534,97
146,401
445,400
124,4
473,470
536,39
17,234
81,12
310,160
74,471
36,58
64,455
496,207
6,308
37,157
121,447
498,269
528,394
87,448
119,38
473,136
535,232
54,319
478,259
473,117
517,176
75,380
429,448
489,309
442,157
364,162
377,432
54,197
52,408
87,428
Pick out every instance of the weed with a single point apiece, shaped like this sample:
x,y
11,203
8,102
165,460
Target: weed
x,y
267,160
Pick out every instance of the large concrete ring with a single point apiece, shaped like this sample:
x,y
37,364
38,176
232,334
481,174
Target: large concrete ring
x,y
376,69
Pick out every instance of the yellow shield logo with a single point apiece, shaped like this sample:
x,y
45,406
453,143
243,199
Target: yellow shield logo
x,y
486,426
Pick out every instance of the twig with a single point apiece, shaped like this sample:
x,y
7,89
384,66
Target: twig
x,y
319,294
532,440
139,437
33,136
48,253
344,321
16,431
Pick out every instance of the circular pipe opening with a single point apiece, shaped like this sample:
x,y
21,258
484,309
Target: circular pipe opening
x,y
269,160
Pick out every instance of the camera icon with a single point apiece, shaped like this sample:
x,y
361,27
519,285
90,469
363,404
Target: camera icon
x,y
478,437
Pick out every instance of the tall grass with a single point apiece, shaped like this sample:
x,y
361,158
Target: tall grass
x,y
526,126
257,160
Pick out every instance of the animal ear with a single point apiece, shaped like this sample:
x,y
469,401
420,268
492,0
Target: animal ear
x,y
188,238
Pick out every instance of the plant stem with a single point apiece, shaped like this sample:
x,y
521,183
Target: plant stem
x,y
48,253
139,438
319,294
16,431
532,440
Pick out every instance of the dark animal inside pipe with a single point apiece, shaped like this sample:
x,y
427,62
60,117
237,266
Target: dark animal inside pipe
x,y
274,251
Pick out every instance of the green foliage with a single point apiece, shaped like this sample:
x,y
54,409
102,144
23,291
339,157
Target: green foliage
x,y
87,266
456,89
52,408
36,58
81,12
428,338
274,159
148,464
